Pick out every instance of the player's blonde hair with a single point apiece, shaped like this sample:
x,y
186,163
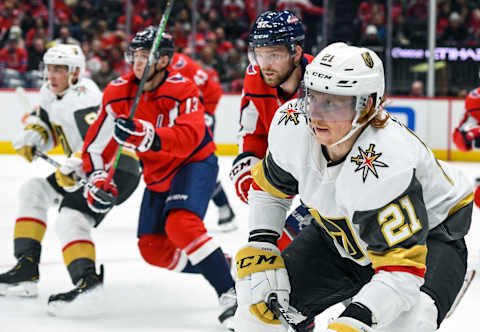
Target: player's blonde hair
x,y
381,117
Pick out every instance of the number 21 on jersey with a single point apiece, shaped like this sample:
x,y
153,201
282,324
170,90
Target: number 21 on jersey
x,y
397,221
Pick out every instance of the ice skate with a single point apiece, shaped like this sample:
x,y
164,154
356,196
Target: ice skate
x,y
21,280
83,300
226,219
228,306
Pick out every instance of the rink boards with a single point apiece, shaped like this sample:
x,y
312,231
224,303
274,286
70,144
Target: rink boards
x,y
433,120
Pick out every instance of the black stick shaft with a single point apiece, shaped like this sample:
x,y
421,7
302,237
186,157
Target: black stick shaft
x,y
158,37
83,182
279,312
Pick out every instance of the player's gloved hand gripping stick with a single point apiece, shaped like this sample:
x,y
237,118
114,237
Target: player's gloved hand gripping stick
x,y
279,311
158,37
107,197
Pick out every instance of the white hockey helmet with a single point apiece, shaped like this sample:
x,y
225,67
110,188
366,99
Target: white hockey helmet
x,y
340,69
65,55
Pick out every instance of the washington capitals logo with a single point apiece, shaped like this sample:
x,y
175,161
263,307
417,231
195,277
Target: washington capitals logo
x,y
367,161
289,115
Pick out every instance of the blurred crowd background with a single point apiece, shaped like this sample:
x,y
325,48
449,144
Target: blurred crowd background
x,y
215,33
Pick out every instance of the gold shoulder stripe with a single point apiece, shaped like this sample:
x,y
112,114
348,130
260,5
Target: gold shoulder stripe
x,y
462,203
130,153
259,176
415,256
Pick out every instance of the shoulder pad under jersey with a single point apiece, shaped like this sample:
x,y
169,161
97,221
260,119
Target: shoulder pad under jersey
x,y
119,81
251,69
288,136
179,63
176,78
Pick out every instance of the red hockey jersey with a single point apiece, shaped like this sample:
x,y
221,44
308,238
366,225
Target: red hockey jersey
x,y
175,111
472,105
206,81
469,122
258,106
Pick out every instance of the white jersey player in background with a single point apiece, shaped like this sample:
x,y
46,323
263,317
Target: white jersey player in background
x,y
68,104
390,219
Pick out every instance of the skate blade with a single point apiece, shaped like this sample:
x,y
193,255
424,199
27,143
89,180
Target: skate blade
x,y
227,318
88,304
22,289
228,324
227,227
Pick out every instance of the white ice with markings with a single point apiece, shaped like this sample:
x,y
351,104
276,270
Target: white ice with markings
x,y
140,297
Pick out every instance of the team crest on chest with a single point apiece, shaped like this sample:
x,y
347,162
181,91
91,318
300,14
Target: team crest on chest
x,y
289,115
368,161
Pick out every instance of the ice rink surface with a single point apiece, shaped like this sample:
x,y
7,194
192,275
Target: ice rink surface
x,y
140,297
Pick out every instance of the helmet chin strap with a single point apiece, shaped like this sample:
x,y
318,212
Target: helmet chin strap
x,y
157,71
69,86
355,127
360,105
290,72
352,131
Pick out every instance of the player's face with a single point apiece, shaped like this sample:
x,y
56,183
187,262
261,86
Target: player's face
x,y
330,116
140,59
57,76
274,63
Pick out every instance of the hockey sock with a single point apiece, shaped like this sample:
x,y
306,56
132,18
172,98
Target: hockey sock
x,y
33,250
28,236
189,268
215,269
219,197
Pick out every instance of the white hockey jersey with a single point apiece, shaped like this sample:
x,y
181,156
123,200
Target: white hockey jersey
x,y
67,118
378,203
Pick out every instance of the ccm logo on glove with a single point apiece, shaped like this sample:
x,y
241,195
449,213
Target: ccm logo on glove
x,y
250,260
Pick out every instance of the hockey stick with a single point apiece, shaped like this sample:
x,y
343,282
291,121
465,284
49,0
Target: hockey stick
x,y
466,283
103,195
22,96
280,312
26,106
156,43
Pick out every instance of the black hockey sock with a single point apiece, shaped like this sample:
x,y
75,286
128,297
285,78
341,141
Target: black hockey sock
x,y
27,247
219,197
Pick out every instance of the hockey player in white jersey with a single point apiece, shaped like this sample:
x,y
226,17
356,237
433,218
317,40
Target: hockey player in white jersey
x,y
68,104
390,218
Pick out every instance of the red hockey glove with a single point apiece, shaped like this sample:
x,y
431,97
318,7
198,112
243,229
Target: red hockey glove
x,y
241,176
461,141
473,133
134,134
477,196
465,140
95,203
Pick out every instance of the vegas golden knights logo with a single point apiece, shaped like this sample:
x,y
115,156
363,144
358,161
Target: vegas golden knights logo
x,y
367,59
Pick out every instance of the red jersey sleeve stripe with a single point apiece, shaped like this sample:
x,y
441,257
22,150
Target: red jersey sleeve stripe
x,y
409,269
